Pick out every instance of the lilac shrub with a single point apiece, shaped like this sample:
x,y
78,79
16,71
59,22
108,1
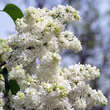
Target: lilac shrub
x,y
41,34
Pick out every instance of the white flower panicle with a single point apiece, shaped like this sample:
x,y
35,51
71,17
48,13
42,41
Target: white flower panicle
x,y
65,14
47,86
4,49
17,73
1,101
69,41
1,82
81,72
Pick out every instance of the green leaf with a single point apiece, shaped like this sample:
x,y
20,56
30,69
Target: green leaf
x,y
14,87
13,11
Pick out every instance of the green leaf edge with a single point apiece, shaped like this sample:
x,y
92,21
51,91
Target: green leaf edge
x,y
13,11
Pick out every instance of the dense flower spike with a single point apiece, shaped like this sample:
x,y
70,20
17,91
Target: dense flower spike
x,y
46,85
4,48
1,101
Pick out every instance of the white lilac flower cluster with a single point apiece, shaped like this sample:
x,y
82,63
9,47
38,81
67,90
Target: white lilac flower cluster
x,y
1,101
4,48
47,86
